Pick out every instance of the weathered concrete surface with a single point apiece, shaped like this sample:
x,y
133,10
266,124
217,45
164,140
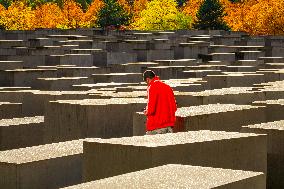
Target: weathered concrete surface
x,y
181,176
275,150
273,109
110,157
236,95
74,119
10,110
215,117
21,132
46,166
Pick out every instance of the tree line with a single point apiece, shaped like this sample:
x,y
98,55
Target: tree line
x,y
257,17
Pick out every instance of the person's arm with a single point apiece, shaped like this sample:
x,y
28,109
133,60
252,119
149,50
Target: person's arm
x,y
152,101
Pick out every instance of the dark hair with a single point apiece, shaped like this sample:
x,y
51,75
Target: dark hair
x,y
148,74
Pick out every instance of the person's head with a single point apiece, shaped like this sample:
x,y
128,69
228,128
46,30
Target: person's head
x,y
148,75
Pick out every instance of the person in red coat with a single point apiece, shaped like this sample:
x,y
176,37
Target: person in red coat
x,y
161,105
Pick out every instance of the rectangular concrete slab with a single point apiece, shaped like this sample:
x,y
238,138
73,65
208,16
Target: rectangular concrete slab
x,y
275,150
103,118
110,157
46,166
21,132
181,176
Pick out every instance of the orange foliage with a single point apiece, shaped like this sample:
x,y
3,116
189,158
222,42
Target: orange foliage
x,y
125,5
138,7
18,16
2,9
73,14
90,17
48,15
191,8
257,17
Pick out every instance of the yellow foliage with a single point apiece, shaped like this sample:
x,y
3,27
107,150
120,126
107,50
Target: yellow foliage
x,y
18,16
48,15
161,15
138,7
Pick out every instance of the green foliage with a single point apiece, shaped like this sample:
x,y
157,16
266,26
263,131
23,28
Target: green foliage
x,y
210,16
181,2
162,15
112,15
6,3
84,3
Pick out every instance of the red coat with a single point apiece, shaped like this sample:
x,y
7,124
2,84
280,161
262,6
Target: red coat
x,y
161,106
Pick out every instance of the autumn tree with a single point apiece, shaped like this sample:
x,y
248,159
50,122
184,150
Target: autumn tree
x,y
112,14
73,15
18,16
162,15
91,16
48,15
6,3
210,16
137,7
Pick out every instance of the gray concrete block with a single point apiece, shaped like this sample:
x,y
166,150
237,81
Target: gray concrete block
x,y
74,119
118,78
110,157
10,110
21,132
215,117
181,176
150,55
62,83
135,67
275,150
219,117
24,77
232,79
236,95
74,71
46,166
10,65
273,109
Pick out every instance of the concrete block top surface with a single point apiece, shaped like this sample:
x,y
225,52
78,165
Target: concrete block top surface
x,y
275,125
20,121
172,138
13,88
134,94
172,176
8,103
278,101
222,91
62,78
30,70
56,93
10,61
210,109
106,84
103,101
119,74
42,152
183,81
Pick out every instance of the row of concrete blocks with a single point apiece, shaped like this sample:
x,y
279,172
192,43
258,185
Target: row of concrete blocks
x,y
54,54
74,119
68,163
63,164
29,97
46,79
